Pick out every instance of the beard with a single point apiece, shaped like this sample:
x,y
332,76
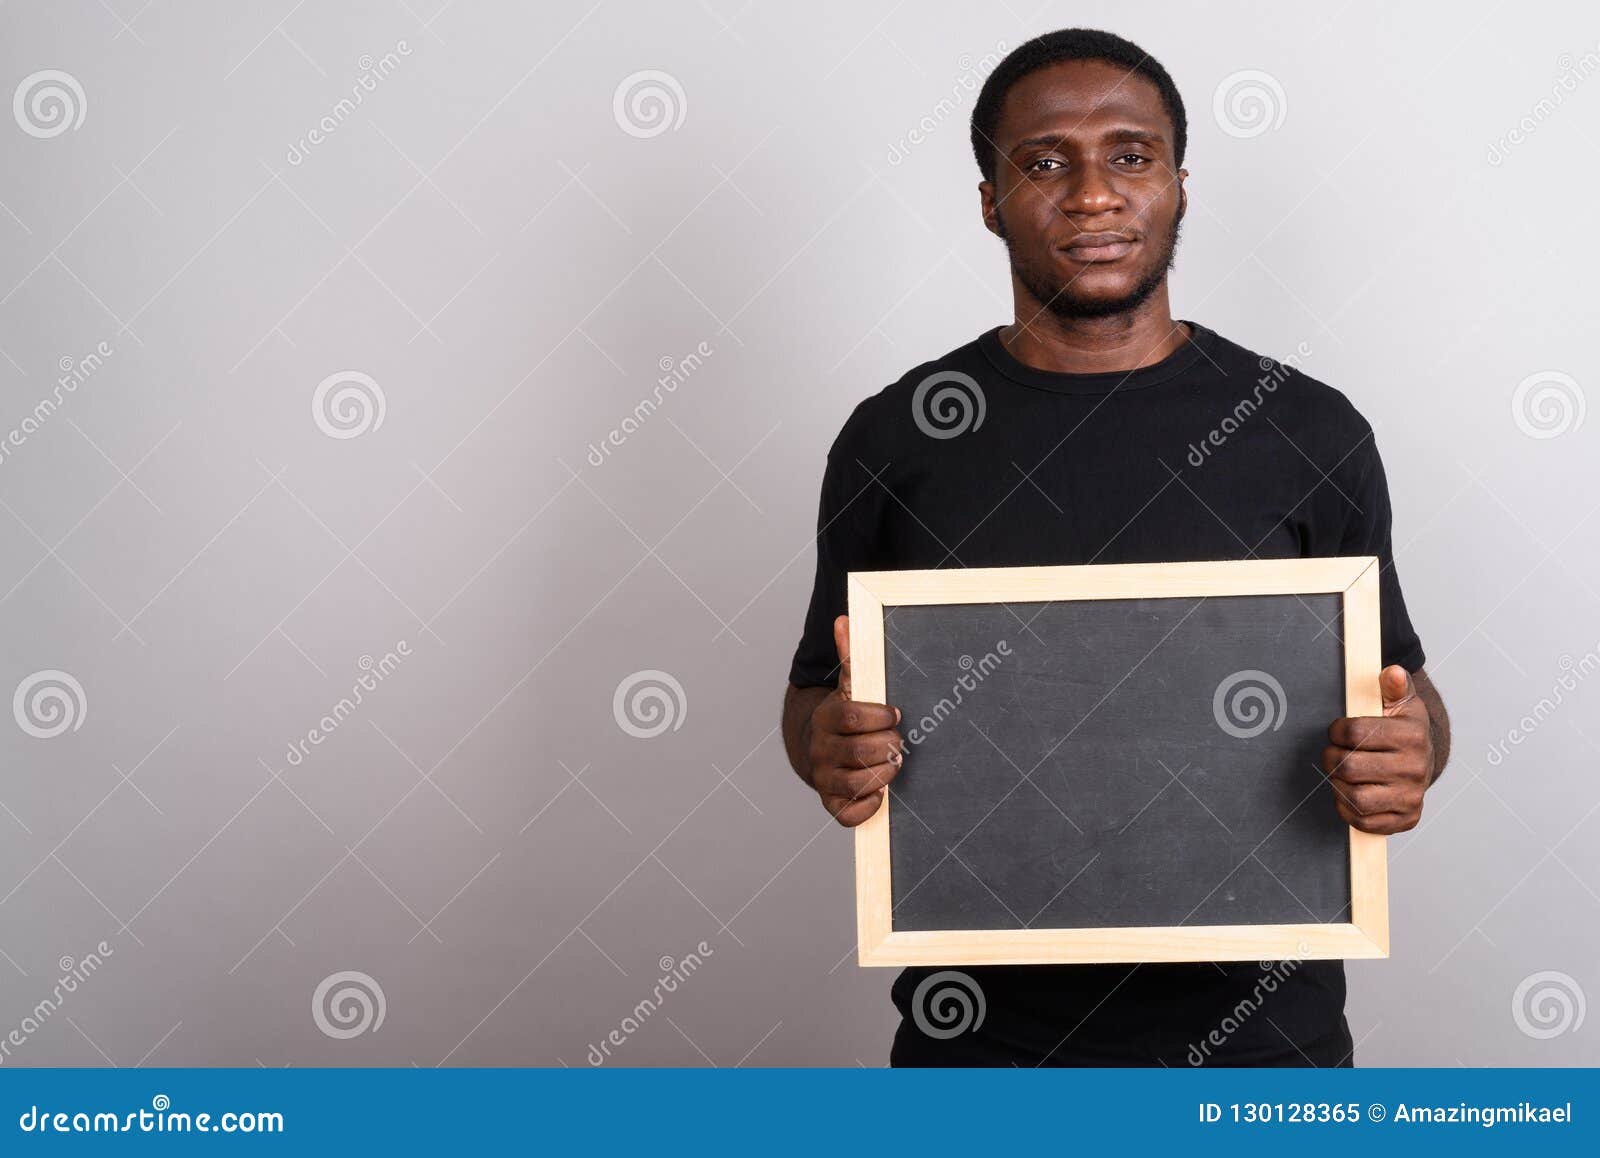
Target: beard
x,y
1042,279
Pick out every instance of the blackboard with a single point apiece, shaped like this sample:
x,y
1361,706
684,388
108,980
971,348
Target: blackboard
x,y
1131,773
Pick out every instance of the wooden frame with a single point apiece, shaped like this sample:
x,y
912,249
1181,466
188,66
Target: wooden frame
x,y
1355,578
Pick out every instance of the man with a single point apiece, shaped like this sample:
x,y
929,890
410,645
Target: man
x,y
1098,443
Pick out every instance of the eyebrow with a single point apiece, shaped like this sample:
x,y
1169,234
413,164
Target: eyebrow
x,y
1110,136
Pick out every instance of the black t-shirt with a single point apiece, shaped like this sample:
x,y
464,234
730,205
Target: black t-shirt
x,y
1215,452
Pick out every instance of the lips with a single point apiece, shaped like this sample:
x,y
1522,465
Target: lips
x,y
1099,247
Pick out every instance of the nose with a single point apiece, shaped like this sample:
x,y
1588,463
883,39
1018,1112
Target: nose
x,y
1091,190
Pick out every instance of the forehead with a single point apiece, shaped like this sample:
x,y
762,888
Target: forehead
x,y
1077,98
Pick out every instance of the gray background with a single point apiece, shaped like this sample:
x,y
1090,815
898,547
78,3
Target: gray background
x,y
485,241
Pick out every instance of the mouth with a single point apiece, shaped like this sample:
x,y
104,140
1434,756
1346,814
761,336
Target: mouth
x,y
1090,248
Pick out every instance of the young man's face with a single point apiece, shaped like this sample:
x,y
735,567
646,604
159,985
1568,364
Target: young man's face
x,y
1085,147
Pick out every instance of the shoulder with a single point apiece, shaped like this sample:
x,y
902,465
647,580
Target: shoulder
x,y
880,421
1315,410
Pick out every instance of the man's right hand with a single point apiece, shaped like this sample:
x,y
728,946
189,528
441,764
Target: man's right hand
x,y
853,748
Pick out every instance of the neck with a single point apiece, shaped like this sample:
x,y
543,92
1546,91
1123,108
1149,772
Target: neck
x,y
1141,337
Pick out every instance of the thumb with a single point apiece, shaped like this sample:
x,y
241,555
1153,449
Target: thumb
x,y
1398,690
841,640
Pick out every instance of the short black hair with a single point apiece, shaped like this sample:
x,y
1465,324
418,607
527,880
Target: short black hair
x,y
1053,48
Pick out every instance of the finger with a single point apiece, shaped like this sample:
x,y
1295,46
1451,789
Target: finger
x,y
1382,823
858,783
1376,733
841,640
852,812
1363,767
1373,799
853,718
857,751
1398,689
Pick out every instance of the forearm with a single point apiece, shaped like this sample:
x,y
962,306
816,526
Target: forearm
x,y
1438,723
798,706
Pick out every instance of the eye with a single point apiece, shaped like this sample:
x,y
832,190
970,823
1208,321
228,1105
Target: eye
x,y
1034,166
1135,158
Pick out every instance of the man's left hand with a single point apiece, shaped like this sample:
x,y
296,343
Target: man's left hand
x,y
1380,766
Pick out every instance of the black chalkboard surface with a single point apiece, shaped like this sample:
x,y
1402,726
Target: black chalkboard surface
x,y
1082,767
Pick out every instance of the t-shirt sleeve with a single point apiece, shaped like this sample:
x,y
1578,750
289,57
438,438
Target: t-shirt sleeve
x,y
1368,532
845,542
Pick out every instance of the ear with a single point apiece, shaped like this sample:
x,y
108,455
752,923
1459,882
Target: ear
x,y
991,221
1183,194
